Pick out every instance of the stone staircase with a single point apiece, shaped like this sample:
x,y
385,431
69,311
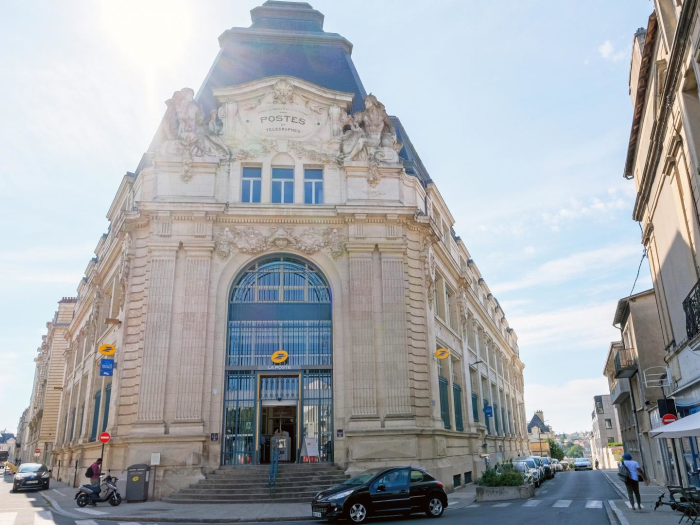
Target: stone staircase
x,y
296,483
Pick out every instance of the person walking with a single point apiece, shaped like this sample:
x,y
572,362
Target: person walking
x,y
96,468
596,464
632,481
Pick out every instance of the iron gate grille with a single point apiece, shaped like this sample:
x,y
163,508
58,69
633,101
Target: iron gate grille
x,y
239,414
317,411
457,394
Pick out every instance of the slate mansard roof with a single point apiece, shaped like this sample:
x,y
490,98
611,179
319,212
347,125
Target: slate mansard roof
x,y
287,38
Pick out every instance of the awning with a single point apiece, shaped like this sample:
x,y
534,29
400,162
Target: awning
x,y
688,426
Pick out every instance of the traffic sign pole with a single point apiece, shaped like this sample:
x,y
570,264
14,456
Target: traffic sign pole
x,y
104,438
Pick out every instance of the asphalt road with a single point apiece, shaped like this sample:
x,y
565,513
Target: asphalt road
x,y
572,498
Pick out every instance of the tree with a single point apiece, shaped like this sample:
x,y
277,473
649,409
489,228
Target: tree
x,y
575,452
555,450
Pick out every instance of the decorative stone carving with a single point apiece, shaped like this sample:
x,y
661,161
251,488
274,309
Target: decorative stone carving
x,y
313,155
370,137
430,266
463,310
283,92
124,268
252,240
185,132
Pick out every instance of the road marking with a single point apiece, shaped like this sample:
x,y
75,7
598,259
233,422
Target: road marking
x,y
620,516
501,504
594,504
136,522
93,512
562,503
473,505
532,503
629,505
58,492
85,522
7,518
44,517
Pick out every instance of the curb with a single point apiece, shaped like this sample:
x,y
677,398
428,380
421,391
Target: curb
x,y
614,485
618,513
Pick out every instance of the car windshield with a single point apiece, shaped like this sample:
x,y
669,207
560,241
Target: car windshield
x,y
363,478
530,463
31,467
581,461
545,461
520,466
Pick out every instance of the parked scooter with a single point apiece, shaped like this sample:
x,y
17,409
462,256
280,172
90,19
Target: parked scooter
x,y
89,494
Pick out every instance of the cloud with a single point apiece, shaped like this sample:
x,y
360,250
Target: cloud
x,y
566,406
607,51
552,331
574,266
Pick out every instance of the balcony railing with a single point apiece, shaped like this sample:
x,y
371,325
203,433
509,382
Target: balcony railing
x,y
691,306
625,362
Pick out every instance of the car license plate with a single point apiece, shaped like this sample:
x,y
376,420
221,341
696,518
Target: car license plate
x,y
32,482
316,514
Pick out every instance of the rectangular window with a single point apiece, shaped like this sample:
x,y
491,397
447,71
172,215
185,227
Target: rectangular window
x,y
108,395
444,397
608,423
440,297
252,180
283,185
95,415
611,440
72,424
313,186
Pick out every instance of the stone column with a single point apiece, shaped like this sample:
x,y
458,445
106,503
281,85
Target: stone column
x,y
193,335
157,335
361,322
394,351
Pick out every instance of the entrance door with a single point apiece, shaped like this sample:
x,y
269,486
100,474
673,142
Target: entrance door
x,y
280,421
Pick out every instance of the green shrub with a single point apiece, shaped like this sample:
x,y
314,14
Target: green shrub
x,y
615,444
506,476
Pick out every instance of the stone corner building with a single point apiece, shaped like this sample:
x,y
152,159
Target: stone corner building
x,y
282,208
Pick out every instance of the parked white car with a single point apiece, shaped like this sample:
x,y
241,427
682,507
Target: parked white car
x,y
558,466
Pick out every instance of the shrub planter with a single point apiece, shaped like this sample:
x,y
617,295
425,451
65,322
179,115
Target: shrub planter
x,y
504,493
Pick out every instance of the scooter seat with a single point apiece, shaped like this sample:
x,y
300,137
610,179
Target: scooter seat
x,y
94,489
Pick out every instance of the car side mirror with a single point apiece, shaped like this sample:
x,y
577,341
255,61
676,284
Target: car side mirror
x,y
381,488
49,471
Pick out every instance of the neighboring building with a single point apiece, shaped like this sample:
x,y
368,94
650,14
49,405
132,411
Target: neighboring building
x,y
20,447
42,416
299,218
663,159
539,434
605,434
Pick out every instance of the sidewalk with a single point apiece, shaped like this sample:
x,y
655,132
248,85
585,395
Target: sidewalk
x,y
61,498
647,516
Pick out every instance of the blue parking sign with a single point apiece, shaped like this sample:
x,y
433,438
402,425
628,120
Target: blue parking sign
x,y
106,367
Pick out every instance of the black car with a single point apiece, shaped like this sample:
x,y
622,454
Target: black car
x,y
384,491
549,471
31,476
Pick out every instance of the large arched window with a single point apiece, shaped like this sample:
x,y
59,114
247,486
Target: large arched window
x,y
280,304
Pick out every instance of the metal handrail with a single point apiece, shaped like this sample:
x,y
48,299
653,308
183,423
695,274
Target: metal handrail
x,y
691,307
625,358
274,464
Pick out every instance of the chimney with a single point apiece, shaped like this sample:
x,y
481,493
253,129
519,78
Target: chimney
x,y
540,414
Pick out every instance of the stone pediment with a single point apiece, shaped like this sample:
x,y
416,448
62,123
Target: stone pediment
x,y
282,108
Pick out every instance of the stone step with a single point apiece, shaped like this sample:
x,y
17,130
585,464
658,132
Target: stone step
x,y
251,490
229,501
264,483
329,478
302,497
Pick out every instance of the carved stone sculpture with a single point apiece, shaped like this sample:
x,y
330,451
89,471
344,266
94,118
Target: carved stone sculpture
x,y
252,240
184,124
429,268
124,268
370,136
463,311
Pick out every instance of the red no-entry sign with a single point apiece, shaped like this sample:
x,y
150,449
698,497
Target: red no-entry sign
x,y
104,437
667,419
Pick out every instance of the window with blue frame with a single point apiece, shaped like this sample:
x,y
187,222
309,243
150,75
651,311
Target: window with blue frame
x,y
313,186
475,407
283,185
95,415
108,395
251,184
487,418
495,418
72,424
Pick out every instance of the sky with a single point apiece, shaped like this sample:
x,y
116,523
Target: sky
x,y
519,110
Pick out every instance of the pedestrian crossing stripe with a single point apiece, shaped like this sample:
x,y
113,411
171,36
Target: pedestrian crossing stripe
x,y
562,503
594,504
629,505
532,503
93,512
85,522
7,518
501,504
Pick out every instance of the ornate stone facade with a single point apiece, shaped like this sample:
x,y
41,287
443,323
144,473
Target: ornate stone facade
x,y
285,167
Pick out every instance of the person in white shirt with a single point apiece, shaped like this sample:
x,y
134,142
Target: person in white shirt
x,y
632,482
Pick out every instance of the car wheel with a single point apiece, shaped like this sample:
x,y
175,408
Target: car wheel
x,y
357,512
435,507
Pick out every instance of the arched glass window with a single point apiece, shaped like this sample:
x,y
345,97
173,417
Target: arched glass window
x,y
280,304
